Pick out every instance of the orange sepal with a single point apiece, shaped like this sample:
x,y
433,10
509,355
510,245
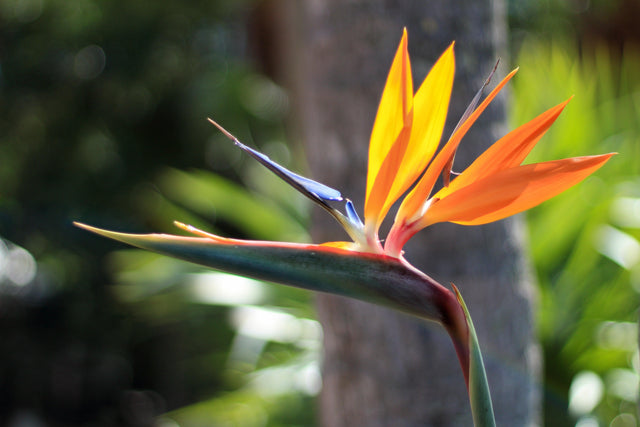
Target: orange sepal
x,y
349,246
412,204
508,151
510,191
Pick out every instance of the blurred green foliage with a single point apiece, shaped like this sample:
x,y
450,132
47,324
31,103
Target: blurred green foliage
x,y
585,243
103,119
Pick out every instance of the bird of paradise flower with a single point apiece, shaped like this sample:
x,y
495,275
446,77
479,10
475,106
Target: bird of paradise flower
x,y
402,159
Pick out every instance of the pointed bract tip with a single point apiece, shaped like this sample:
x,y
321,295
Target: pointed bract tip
x,y
456,291
97,230
83,226
182,225
223,130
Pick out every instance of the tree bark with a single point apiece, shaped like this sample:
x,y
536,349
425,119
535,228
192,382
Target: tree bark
x,y
383,368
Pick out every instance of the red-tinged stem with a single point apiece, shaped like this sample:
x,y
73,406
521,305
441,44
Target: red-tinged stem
x,y
398,237
454,321
458,330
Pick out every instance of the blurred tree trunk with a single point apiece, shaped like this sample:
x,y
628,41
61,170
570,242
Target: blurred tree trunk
x,y
383,368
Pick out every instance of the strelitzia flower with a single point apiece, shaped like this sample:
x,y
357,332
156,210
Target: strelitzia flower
x,y
402,160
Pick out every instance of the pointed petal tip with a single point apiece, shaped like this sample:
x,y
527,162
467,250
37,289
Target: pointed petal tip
x,y
560,107
512,73
404,38
450,51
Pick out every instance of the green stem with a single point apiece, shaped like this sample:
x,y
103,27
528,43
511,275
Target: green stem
x,y
478,386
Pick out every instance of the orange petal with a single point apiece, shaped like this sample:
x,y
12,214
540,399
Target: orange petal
x,y
508,151
394,115
412,204
510,191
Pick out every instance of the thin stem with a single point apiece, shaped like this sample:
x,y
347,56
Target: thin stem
x,y
478,386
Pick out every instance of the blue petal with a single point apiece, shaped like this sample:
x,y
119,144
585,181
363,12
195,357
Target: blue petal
x,y
304,185
353,215
319,193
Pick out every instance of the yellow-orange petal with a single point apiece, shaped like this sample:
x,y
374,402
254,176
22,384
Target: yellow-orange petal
x,y
508,151
324,247
350,246
394,115
510,191
412,204
379,201
430,106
